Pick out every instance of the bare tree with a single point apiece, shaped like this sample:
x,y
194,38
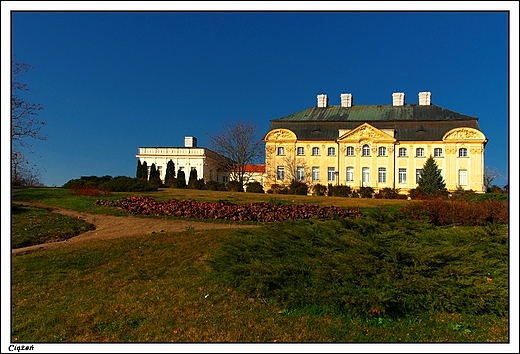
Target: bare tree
x,y
490,174
24,126
296,169
239,144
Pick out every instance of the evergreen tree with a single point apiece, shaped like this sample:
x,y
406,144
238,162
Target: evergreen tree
x,y
139,172
193,178
180,182
154,176
169,178
144,172
431,181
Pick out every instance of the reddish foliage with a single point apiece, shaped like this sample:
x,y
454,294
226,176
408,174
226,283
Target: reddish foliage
x,y
89,191
459,212
262,212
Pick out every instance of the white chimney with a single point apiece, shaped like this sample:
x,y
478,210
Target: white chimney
x,y
346,100
190,141
323,100
425,98
398,98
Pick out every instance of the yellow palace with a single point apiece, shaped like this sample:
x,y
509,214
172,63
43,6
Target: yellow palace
x,y
378,146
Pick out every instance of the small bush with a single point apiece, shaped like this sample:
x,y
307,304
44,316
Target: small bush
x,y
319,190
277,189
339,191
298,188
87,190
215,186
389,193
235,186
442,212
254,187
366,192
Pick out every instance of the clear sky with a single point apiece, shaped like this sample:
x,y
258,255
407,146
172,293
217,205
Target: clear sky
x,y
111,82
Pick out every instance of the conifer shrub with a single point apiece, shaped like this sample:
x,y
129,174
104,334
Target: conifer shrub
x,y
180,181
367,268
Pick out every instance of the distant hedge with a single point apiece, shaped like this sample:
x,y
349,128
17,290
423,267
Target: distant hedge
x,y
112,184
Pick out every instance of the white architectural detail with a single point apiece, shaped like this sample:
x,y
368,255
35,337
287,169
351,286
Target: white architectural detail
x,y
346,100
323,100
398,98
425,98
209,165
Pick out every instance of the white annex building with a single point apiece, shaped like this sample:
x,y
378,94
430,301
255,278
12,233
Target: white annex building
x,y
209,165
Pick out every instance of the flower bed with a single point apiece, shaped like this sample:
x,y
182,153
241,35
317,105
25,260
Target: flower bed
x,y
260,212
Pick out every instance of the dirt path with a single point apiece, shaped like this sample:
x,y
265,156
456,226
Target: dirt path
x,y
109,227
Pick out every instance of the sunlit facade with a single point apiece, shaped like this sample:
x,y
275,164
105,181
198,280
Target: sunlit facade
x,y
378,146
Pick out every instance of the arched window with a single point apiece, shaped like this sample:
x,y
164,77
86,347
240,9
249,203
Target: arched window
x,y
281,151
366,150
463,152
419,152
350,151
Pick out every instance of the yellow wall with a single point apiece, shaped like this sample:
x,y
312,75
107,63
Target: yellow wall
x,y
449,162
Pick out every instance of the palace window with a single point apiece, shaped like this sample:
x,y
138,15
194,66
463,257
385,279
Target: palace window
x,y
418,174
381,175
402,175
419,152
463,152
300,151
350,151
300,173
280,173
315,151
350,174
463,177
437,152
330,174
365,176
281,151
315,173
366,150
331,151
402,152
382,151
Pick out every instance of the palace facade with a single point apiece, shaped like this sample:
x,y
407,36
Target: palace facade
x,y
378,146
208,164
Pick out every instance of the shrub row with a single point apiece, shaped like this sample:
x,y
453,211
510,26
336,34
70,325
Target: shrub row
x,y
458,212
261,212
89,184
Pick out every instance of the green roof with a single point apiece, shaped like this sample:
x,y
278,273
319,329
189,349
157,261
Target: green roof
x,y
411,122
367,113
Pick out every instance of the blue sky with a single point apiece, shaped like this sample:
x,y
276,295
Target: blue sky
x,y
111,82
